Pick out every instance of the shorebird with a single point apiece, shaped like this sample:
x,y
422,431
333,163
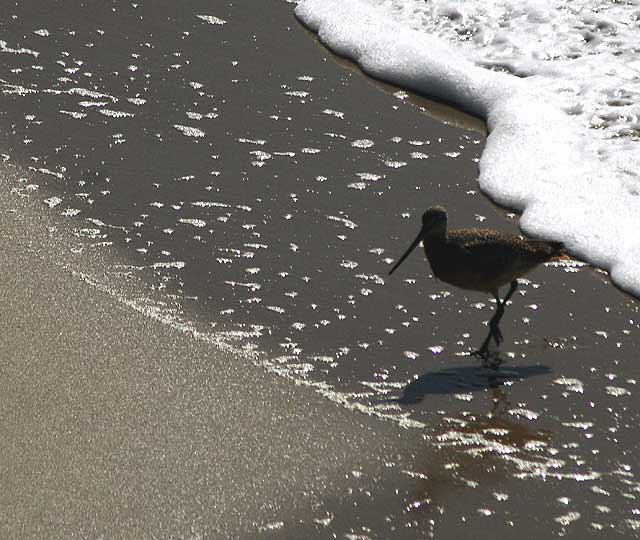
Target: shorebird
x,y
479,260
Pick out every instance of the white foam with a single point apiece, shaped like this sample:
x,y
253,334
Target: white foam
x,y
572,182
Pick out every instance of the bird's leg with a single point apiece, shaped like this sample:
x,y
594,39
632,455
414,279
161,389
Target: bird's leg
x,y
495,320
494,329
512,289
483,352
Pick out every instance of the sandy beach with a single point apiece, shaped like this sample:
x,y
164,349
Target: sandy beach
x,y
115,425
307,395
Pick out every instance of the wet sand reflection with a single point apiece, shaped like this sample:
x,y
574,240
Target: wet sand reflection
x,y
466,465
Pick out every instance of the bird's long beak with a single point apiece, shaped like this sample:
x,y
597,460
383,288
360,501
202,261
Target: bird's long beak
x,y
408,252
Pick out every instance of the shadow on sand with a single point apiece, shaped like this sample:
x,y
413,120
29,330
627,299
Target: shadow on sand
x,y
464,379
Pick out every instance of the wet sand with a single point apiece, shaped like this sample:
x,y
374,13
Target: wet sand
x,y
122,426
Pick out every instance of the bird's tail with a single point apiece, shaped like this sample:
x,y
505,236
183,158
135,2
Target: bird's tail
x,y
550,250
556,251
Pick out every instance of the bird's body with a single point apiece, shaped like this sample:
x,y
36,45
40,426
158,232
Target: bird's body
x,y
484,259
479,260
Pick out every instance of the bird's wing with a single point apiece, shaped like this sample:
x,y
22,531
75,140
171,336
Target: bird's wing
x,y
484,249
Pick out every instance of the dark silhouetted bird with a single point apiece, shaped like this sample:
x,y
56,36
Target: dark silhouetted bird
x,y
479,260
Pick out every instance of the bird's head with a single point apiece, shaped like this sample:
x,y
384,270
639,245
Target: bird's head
x,y
434,221
434,224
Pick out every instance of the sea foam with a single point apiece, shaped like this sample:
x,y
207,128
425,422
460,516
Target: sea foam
x,y
543,157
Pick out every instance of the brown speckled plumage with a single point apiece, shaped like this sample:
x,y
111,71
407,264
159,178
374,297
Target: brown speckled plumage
x,y
479,260
485,259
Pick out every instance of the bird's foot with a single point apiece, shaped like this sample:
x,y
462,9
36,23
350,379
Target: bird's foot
x,y
495,334
492,360
482,353
489,359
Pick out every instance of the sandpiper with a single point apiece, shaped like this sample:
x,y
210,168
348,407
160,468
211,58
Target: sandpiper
x,y
479,260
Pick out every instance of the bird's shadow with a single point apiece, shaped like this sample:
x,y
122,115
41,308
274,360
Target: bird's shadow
x,y
464,379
